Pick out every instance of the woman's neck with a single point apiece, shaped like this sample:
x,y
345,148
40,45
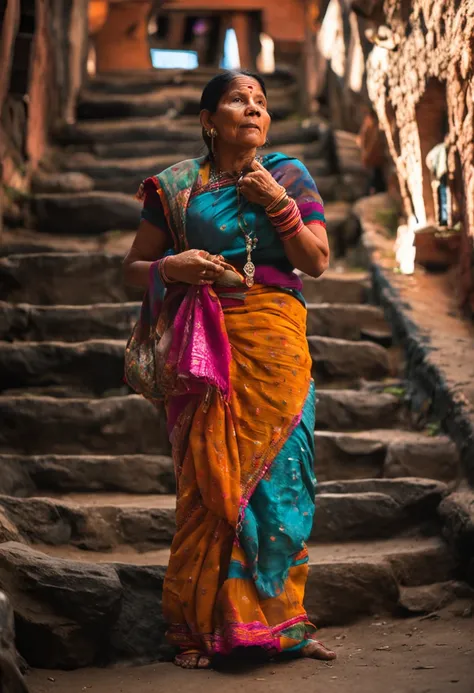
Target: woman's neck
x,y
234,161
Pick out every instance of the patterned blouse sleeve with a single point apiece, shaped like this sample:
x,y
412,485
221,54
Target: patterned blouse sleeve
x,y
300,185
152,211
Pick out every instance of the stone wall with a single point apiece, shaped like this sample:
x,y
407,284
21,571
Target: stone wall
x,y
421,83
53,68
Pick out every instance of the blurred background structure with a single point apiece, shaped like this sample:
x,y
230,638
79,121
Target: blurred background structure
x,y
376,97
401,71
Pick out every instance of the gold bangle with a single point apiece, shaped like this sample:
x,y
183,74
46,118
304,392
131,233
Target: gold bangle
x,y
277,200
284,202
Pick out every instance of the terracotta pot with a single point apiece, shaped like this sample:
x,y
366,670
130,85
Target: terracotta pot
x,y
436,249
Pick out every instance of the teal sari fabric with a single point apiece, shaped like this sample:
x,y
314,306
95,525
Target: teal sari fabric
x,y
211,214
279,517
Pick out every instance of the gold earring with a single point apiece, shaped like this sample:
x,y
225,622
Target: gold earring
x,y
213,135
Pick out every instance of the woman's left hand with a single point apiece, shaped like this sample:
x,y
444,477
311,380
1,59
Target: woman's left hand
x,y
259,186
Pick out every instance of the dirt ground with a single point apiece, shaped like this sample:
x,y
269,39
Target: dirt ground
x,y
433,654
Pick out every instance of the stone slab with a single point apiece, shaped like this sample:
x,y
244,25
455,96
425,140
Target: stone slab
x,y
29,475
342,321
334,287
63,609
437,341
179,129
347,360
181,99
93,367
352,410
25,322
58,278
371,453
86,213
103,521
457,515
73,323
114,613
115,425
10,675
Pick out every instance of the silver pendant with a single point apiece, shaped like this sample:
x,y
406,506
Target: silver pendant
x,y
249,271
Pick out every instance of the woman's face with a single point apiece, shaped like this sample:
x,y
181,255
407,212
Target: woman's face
x,y
241,118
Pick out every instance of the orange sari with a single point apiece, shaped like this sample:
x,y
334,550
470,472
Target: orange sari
x,y
230,447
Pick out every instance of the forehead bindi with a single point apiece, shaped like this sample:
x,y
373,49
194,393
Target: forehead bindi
x,y
244,84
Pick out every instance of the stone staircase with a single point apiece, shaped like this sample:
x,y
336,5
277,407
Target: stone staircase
x,y
87,484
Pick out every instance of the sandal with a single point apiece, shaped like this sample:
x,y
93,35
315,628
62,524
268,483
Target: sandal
x,y
192,659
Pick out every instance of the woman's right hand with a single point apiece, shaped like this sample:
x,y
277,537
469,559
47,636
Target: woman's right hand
x,y
194,267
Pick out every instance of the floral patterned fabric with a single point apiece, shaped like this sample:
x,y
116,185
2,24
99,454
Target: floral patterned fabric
x,y
241,423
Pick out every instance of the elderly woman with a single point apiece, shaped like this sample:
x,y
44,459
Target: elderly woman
x,y
222,343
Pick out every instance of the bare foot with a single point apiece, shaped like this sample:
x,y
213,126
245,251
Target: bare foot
x,y
192,659
316,650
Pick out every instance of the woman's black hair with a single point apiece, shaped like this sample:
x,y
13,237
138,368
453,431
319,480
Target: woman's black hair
x,y
215,90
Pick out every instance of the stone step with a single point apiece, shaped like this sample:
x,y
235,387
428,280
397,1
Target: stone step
x,y
145,81
179,129
347,361
102,170
58,278
346,510
124,175
354,410
96,366
175,100
113,425
29,241
348,153
86,213
336,287
112,207
86,606
29,475
188,149
124,425
342,321
25,322
384,453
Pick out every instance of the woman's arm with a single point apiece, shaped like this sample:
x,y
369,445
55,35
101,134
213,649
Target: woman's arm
x,y
309,250
150,243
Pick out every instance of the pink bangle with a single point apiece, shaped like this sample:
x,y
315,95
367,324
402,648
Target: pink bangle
x,y
162,272
288,236
288,221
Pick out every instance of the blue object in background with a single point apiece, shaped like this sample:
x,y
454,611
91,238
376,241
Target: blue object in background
x,y
231,58
168,59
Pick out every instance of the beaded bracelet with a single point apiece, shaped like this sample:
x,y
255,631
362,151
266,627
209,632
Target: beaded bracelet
x,y
288,221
